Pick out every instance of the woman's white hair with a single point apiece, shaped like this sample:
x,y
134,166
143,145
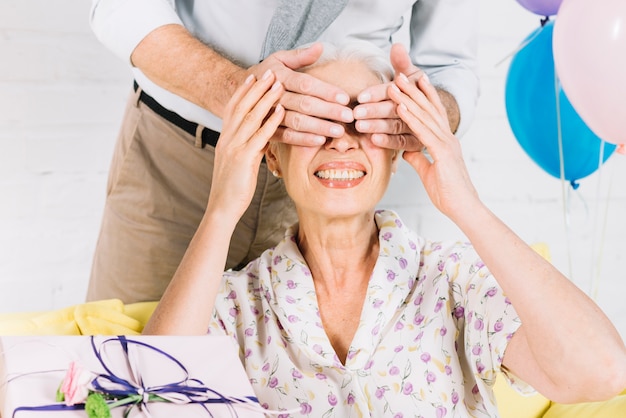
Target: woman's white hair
x,y
373,57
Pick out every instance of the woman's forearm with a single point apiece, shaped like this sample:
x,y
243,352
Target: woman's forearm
x,y
187,305
567,337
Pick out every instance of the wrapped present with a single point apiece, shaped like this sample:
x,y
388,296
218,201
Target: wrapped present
x,y
134,376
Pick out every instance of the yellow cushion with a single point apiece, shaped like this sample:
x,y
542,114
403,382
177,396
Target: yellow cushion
x,y
512,404
613,408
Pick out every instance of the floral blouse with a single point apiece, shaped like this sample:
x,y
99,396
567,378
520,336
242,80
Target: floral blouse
x,y
430,341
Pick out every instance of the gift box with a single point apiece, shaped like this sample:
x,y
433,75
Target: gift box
x,y
195,376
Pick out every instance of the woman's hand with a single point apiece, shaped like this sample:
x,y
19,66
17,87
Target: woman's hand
x,y
445,175
249,123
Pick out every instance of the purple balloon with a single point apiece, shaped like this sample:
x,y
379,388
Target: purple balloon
x,y
541,7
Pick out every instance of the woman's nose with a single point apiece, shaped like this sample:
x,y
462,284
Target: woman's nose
x,y
348,141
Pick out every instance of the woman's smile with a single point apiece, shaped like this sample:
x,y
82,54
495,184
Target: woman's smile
x,y
342,174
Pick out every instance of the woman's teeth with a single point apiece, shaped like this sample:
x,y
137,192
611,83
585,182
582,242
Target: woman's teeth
x,y
339,174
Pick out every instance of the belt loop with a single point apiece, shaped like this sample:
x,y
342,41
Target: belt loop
x,y
199,130
137,96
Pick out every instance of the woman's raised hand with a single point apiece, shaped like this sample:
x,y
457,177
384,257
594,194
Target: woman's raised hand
x,y
444,175
249,123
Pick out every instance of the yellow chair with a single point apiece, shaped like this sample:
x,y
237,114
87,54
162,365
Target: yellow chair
x,y
112,317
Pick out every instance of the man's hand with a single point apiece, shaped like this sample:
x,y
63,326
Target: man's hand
x,y
311,104
376,113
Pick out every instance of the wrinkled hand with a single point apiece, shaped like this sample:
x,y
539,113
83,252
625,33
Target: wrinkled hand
x,y
445,178
249,123
311,104
377,113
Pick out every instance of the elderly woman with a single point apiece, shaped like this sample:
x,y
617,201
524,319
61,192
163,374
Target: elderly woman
x,y
353,314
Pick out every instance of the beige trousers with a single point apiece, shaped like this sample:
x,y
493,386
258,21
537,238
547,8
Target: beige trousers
x,y
158,187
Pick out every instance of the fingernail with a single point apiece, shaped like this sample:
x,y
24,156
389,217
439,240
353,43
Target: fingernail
x,y
347,116
364,97
319,140
403,107
336,131
362,125
278,108
249,79
394,87
403,78
276,85
342,98
267,74
360,112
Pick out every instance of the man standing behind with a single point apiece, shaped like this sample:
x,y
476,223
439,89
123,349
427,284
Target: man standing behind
x,y
188,57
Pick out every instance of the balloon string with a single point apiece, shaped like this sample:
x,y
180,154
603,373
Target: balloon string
x,y
564,190
523,44
596,275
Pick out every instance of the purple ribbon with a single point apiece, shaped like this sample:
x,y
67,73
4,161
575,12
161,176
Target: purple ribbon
x,y
186,390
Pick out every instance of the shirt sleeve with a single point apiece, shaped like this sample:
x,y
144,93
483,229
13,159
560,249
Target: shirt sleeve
x,y
121,24
490,322
444,43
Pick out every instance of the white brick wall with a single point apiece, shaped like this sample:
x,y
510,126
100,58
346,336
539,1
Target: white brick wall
x,y
61,98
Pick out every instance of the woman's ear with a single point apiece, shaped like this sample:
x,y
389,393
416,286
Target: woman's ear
x,y
394,161
271,158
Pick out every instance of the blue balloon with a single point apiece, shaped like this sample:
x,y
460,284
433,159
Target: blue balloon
x,y
531,108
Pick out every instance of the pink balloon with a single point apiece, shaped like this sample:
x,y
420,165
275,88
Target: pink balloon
x,y
589,45
541,7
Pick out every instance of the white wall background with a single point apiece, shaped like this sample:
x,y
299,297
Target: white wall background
x,y
61,100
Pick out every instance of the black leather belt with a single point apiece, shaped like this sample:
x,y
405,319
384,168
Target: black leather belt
x,y
209,137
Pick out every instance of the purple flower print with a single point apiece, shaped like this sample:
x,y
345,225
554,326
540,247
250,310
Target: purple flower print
x,y
391,275
369,364
498,326
448,370
459,311
419,336
407,388
398,223
480,367
321,376
296,374
418,319
394,371
440,265
412,245
425,357
291,284
455,397
479,325
380,392
276,260
492,292
377,303
443,331
403,263
273,382
305,408
399,326
248,353
254,310
475,390
265,367
419,299
477,350
290,299
232,295
233,312
387,236
398,348
398,415
317,348
376,329
430,377
332,399
507,300
438,305
441,411
293,319
350,400
249,332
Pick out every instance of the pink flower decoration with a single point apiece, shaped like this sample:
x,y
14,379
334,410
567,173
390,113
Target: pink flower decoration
x,y
75,386
332,399
305,408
